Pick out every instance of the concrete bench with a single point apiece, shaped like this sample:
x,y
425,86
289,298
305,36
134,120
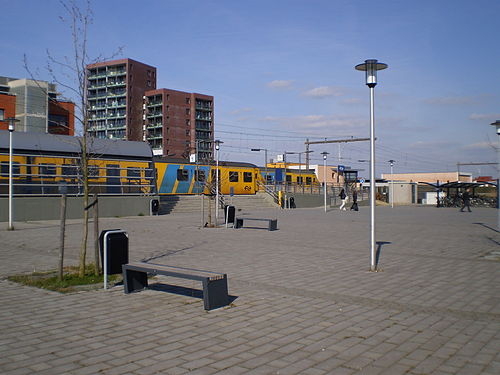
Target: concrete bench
x,y
135,278
272,223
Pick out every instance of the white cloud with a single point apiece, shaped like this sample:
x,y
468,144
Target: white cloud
x,y
323,92
479,146
280,84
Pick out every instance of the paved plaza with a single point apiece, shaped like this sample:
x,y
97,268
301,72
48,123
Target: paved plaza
x,y
304,299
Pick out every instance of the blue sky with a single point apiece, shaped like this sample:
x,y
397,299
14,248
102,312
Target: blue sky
x,y
282,71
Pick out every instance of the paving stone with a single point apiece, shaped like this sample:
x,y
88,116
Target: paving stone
x,y
305,300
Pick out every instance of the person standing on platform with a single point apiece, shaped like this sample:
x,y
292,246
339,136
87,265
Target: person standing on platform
x,y
343,197
354,201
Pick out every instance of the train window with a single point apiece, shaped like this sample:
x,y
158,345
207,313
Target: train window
x,y
69,170
308,180
16,170
233,176
200,176
182,175
247,176
133,173
288,178
269,178
93,171
47,169
299,179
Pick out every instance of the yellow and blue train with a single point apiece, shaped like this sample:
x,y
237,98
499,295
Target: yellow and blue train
x,y
44,163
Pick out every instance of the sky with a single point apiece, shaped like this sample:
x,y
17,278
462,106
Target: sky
x,y
282,71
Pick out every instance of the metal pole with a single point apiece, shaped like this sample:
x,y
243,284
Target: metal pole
x,y
265,167
373,266
11,227
217,188
324,177
392,189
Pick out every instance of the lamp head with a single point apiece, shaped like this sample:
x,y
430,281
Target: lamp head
x,y
324,153
12,123
371,67
497,124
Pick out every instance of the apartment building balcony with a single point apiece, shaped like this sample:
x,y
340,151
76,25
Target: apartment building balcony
x,y
116,83
117,92
154,103
203,117
154,126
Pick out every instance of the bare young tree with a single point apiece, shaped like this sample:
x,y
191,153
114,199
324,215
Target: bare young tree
x,y
70,73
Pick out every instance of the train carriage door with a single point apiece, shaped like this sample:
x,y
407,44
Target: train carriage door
x,y
113,179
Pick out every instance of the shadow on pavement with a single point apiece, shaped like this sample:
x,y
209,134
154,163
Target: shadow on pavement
x,y
182,291
487,226
379,250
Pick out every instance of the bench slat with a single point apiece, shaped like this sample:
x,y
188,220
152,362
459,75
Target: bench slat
x,y
189,273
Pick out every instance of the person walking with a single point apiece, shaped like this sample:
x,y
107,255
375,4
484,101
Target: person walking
x,y
343,197
354,201
465,201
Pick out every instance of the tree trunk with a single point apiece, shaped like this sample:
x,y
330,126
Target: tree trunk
x,y
96,235
62,233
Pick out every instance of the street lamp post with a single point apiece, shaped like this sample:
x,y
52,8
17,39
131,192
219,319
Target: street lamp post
x,y
392,183
371,67
265,161
217,147
12,122
324,153
497,125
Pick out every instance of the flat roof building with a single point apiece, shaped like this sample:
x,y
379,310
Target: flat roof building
x,y
34,103
179,124
115,98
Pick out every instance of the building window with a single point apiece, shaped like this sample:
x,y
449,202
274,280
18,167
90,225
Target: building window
x,y
188,112
233,176
247,176
188,122
188,101
182,175
188,132
2,114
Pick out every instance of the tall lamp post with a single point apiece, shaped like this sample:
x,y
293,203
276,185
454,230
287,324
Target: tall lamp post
x,y
265,161
371,67
497,125
12,122
324,153
217,148
392,183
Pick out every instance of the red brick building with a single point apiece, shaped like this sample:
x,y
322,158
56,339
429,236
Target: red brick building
x,y
115,97
179,124
7,109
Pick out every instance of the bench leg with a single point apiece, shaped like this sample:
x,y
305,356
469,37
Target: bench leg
x,y
215,293
273,224
238,223
134,280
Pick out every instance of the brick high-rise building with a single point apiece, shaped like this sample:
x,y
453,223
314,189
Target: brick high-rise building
x,y
179,124
115,98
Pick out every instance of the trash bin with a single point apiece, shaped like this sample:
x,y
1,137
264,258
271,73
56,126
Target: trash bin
x,y
155,206
116,250
229,214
